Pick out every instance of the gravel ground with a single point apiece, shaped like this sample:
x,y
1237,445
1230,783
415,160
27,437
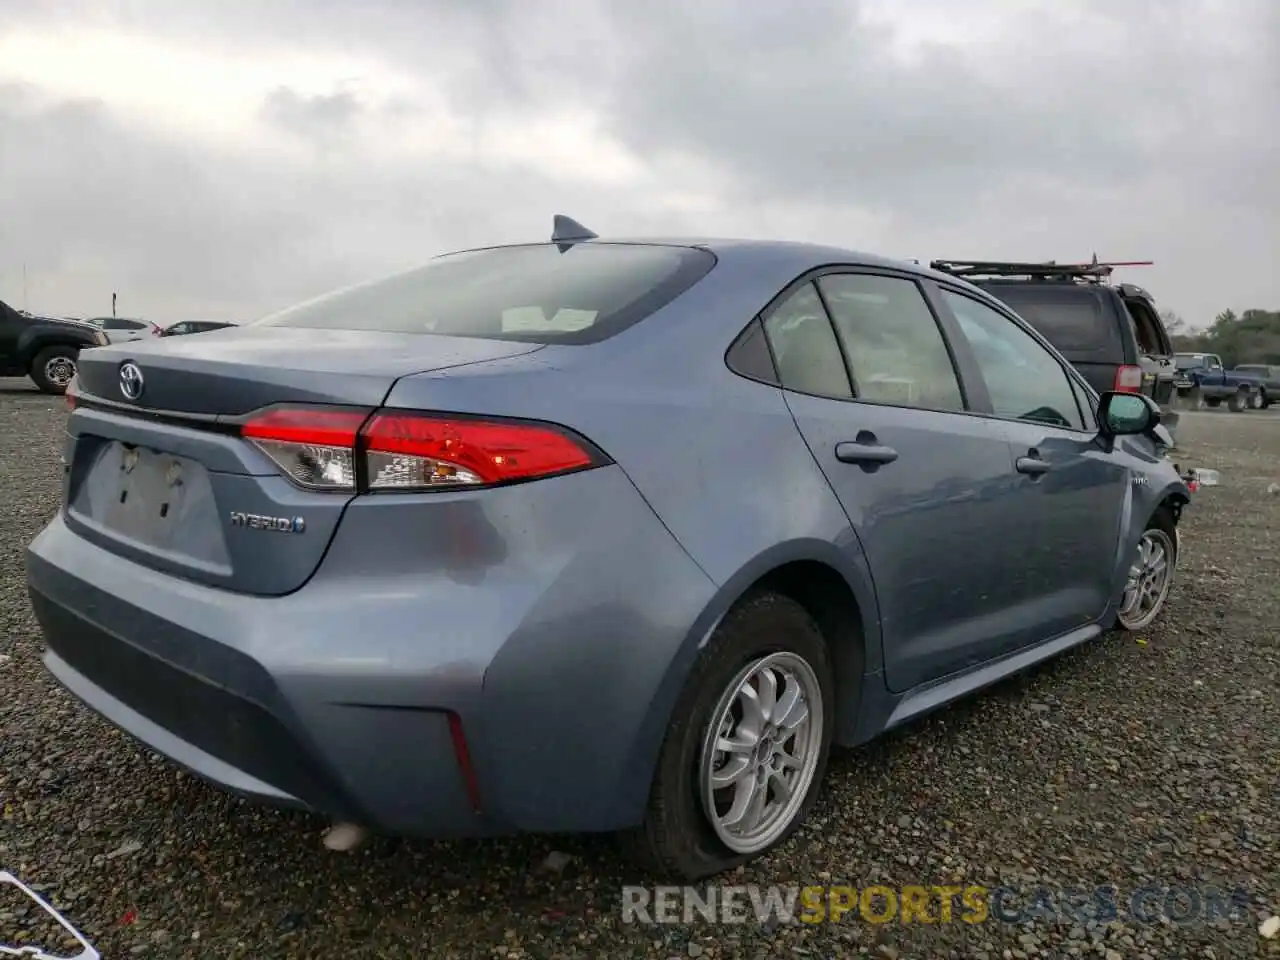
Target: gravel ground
x,y
1127,762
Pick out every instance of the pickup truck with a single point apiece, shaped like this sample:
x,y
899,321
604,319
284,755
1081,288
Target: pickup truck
x,y
1268,378
1202,380
43,348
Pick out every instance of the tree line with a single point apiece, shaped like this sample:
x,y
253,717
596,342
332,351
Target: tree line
x,y
1249,337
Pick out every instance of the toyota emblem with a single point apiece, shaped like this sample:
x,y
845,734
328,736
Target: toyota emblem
x,y
131,381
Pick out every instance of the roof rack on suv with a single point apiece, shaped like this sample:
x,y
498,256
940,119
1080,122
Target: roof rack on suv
x,y
1094,272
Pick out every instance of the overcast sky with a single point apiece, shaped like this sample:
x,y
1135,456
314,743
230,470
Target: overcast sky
x,y
223,159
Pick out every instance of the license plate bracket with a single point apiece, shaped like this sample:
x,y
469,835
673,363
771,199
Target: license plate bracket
x,y
152,499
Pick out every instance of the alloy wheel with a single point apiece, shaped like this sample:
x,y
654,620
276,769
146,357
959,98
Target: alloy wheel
x,y
1150,576
761,751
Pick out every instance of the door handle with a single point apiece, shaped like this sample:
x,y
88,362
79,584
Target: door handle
x,y
867,453
1032,465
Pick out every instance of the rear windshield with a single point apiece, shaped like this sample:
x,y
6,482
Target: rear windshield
x,y
1189,361
1073,320
533,293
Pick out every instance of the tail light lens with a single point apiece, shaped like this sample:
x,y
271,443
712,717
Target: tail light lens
x,y
1128,379
347,450
70,394
316,448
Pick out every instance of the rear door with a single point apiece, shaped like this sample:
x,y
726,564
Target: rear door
x,y
1069,494
875,393
1077,319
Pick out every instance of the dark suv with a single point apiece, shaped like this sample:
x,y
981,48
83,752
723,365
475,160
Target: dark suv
x,y
1111,333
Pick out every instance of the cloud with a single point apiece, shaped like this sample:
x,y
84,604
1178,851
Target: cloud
x,y
226,159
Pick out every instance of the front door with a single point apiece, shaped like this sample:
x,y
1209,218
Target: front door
x,y
1069,491
925,484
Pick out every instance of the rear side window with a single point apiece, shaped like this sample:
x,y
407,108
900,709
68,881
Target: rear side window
x,y
533,293
805,346
895,348
1074,320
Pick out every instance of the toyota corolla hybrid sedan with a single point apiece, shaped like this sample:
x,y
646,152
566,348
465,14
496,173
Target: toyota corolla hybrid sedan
x,y
589,535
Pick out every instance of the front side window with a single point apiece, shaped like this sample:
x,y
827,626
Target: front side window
x,y
1025,381
893,342
535,293
805,349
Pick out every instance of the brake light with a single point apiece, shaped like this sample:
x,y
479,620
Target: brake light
x,y
344,449
416,451
1128,379
70,394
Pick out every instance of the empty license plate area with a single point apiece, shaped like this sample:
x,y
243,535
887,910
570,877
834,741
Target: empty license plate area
x,y
154,503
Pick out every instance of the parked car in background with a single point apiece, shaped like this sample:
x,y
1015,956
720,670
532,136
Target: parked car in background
x,y
194,326
1203,381
1267,377
589,535
1111,333
121,329
46,349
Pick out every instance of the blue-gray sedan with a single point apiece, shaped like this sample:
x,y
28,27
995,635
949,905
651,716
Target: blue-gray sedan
x,y
589,535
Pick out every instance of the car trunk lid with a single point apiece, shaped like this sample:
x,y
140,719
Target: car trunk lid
x,y
227,373
163,477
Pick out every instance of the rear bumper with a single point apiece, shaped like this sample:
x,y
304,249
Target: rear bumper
x,y
244,725
338,698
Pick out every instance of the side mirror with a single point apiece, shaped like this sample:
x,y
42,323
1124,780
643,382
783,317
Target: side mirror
x,y
1127,414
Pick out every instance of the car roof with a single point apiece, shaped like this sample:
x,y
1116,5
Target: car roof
x,y
795,255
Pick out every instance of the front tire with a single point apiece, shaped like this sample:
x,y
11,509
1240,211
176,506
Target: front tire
x,y
1151,572
747,748
54,367
1240,400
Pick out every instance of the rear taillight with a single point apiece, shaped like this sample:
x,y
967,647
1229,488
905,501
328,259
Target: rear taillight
x,y
1128,380
70,394
314,447
390,450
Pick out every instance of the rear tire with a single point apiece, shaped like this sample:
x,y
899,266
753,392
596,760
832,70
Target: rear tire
x,y
1240,400
1149,583
1260,401
53,368
766,635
